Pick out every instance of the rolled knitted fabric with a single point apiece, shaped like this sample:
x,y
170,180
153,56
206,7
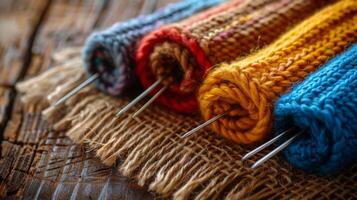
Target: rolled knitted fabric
x,y
181,53
248,88
111,52
325,105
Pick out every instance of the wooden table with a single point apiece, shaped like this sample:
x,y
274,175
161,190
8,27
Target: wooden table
x,y
37,163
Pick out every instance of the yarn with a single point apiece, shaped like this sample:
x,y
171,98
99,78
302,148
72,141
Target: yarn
x,y
248,88
325,105
111,52
150,151
183,52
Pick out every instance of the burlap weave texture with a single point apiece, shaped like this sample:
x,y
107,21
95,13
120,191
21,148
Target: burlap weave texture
x,y
151,150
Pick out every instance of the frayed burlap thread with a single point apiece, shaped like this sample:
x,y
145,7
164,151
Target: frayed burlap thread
x,y
181,53
249,87
58,81
151,150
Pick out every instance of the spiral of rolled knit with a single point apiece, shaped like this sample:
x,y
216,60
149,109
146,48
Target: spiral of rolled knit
x,y
325,105
194,45
111,52
248,88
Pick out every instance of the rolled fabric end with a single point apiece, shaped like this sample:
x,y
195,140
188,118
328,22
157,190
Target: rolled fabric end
x,y
111,60
184,56
230,89
325,106
110,53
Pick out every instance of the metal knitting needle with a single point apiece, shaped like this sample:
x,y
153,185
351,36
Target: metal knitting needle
x,y
148,103
90,80
265,145
206,123
138,98
276,150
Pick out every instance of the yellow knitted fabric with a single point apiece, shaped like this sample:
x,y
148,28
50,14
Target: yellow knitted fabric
x,y
247,88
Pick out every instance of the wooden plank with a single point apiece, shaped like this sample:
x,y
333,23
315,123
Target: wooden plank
x,y
39,163
18,20
67,24
162,3
5,98
56,168
119,11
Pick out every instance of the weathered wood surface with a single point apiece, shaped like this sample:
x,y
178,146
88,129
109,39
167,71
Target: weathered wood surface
x,y
37,163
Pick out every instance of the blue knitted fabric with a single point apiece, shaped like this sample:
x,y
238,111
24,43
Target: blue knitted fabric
x,y
325,105
111,52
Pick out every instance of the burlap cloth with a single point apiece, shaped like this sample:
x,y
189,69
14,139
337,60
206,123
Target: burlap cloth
x,y
150,149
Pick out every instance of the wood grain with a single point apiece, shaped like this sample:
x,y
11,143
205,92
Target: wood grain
x,y
5,99
36,162
18,24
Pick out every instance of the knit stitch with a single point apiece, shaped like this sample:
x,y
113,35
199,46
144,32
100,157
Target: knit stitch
x,y
248,88
325,105
183,52
111,52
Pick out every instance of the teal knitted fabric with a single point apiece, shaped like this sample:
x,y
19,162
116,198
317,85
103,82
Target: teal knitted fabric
x,y
325,105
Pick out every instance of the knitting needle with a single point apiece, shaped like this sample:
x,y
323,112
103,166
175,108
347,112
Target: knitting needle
x,y
90,80
276,150
206,123
265,145
153,98
138,98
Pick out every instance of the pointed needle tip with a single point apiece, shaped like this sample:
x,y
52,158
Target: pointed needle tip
x,y
206,123
59,102
245,157
77,89
255,165
186,135
118,115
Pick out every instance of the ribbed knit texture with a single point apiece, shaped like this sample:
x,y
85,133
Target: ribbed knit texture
x,y
111,52
325,105
182,52
248,88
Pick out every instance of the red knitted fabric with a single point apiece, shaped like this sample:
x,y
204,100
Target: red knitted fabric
x,y
182,53
173,98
